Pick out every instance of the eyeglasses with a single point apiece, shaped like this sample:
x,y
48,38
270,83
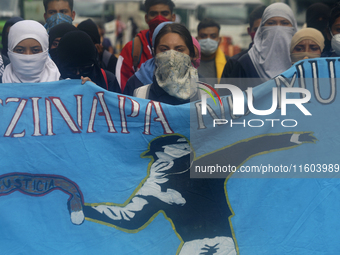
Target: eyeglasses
x,y
82,70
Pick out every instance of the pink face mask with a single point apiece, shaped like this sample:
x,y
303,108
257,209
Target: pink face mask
x,y
196,62
252,35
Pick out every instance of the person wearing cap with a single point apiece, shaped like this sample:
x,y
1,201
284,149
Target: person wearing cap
x,y
306,43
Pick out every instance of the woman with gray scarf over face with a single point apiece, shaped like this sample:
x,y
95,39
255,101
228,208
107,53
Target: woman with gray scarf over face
x,y
270,54
175,79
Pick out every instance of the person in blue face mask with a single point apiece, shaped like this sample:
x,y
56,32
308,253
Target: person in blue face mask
x,y
58,11
213,59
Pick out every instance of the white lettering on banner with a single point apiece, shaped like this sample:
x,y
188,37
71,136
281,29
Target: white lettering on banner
x,y
79,111
36,117
134,112
160,118
92,115
49,120
16,117
126,108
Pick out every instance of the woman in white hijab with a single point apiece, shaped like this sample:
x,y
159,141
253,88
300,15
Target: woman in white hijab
x,y
270,54
28,53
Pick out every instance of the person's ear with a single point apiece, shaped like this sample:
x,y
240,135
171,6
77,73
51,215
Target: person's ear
x,y
248,30
173,17
45,16
146,18
73,15
219,40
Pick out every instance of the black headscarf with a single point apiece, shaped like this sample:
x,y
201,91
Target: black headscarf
x,y
58,31
55,32
4,40
318,17
90,28
76,49
334,14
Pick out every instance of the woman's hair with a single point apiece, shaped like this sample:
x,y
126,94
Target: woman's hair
x,y
183,33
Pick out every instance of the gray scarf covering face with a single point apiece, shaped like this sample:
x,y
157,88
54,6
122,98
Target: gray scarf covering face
x,y
270,53
175,74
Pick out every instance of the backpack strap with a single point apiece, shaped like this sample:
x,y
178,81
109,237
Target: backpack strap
x,y
105,78
142,92
136,53
106,58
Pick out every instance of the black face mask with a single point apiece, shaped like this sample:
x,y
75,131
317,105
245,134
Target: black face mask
x,y
76,72
54,55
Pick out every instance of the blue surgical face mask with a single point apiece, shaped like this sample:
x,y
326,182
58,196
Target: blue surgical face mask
x,y
56,19
208,46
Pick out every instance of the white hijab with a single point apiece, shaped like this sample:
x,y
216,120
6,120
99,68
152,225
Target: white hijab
x,y
29,68
270,53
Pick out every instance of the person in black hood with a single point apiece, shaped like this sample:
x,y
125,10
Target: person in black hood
x,y
317,16
4,60
55,35
106,60
77,59
5,31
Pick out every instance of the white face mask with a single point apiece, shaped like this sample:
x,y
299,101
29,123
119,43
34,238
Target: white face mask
x,y
175,74
336,44
28,68
208,46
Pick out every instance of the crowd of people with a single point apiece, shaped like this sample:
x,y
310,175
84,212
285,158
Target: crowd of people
x,y
165,62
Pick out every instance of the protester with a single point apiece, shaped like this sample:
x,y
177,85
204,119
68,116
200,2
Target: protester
x,y
196,61
4,39
175,79
4,60
144,75
306,43
55,35
133,27
107,45
213,59
106,60
270,54
254,22
317,16
139,50
120,27
77,59
28,53
58,11
334,28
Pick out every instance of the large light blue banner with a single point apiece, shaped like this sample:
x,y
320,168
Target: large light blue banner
x,y
86,171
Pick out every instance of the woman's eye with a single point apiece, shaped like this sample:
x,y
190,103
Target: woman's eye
x,y
20,51
298,49
36,51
